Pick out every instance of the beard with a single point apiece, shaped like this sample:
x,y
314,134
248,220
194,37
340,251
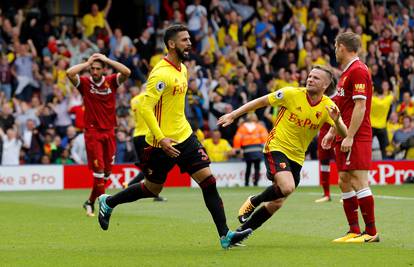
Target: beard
x,y
181,55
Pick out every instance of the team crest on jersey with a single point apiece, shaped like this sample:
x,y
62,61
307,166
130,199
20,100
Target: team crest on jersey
x,y
299,109
160,86
279,94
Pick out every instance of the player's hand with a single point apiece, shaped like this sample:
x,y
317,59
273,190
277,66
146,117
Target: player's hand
x,y
346,144
100,57
167,145
327,141
226,120
333,112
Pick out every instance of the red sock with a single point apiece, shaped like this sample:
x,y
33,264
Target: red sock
x,y
366,204
97,189
325,183
351,211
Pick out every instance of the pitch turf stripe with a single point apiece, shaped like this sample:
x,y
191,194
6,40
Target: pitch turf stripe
x,y
375,196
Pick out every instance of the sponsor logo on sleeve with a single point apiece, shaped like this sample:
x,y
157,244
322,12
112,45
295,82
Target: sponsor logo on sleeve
x,y
359,88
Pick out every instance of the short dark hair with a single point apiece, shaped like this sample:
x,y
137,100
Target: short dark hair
x,y
171,32
100,62
350,40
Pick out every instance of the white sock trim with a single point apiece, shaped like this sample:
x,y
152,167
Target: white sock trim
x,y
325,168
98,175
346,195
364,192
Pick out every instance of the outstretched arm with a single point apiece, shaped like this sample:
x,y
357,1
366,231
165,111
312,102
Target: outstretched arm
x,y
107,8
249,106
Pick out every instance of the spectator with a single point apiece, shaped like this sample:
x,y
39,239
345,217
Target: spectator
x,y
217,148
380,106
78,150
95,18
32,143
403,135
5,76
11,147
249,140
6,117
407,106
64,157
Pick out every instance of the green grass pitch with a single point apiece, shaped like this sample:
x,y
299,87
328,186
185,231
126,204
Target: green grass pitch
x,y
50,229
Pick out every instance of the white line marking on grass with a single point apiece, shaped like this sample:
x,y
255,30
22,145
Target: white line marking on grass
x,y
375,196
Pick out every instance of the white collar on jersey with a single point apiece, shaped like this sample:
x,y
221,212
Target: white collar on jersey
x,y
350,63
97,84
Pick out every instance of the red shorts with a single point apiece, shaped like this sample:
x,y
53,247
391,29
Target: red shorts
x,y
359,158
325,154
100,149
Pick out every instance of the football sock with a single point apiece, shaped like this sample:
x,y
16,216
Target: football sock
x,y
366,204
325,171
130,194
140,176
351,211
270,193
257,219
98,187
214,204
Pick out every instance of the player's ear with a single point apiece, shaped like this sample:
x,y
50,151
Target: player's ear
x,y
171,43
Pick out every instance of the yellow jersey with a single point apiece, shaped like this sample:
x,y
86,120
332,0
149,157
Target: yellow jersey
x,y
297,122
217,152
90,22
140,127
379,111
164,102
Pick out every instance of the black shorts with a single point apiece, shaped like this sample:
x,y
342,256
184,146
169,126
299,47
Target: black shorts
x,y
156,164
276,161
139,145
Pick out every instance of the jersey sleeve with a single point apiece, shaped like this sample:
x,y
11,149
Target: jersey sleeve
x,y
359,82
113,81
280,97
82,84
155,88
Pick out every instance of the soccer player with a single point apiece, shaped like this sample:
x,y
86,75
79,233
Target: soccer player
x,y
325,156
139,139
98,92
302,113
171,140
353,153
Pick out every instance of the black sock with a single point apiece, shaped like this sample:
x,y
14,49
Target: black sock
x,y
140,176
257,219
130,194
214,204
270,193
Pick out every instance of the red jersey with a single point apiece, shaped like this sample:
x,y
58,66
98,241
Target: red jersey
x,y
355,83
99,100
79,112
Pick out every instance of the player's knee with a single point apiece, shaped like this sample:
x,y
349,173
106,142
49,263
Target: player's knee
x,y
287,189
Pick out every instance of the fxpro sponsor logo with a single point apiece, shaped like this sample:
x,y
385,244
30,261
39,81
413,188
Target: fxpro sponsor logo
x,y
121,175
390,173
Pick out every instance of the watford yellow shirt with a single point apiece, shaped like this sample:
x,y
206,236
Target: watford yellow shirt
x,y
90,22
297,122
379,111
217,152
164,103
140,127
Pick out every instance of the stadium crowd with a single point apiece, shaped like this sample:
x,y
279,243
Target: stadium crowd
x,y
241,50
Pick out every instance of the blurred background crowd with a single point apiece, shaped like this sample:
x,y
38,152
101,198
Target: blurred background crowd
x,y
241,50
